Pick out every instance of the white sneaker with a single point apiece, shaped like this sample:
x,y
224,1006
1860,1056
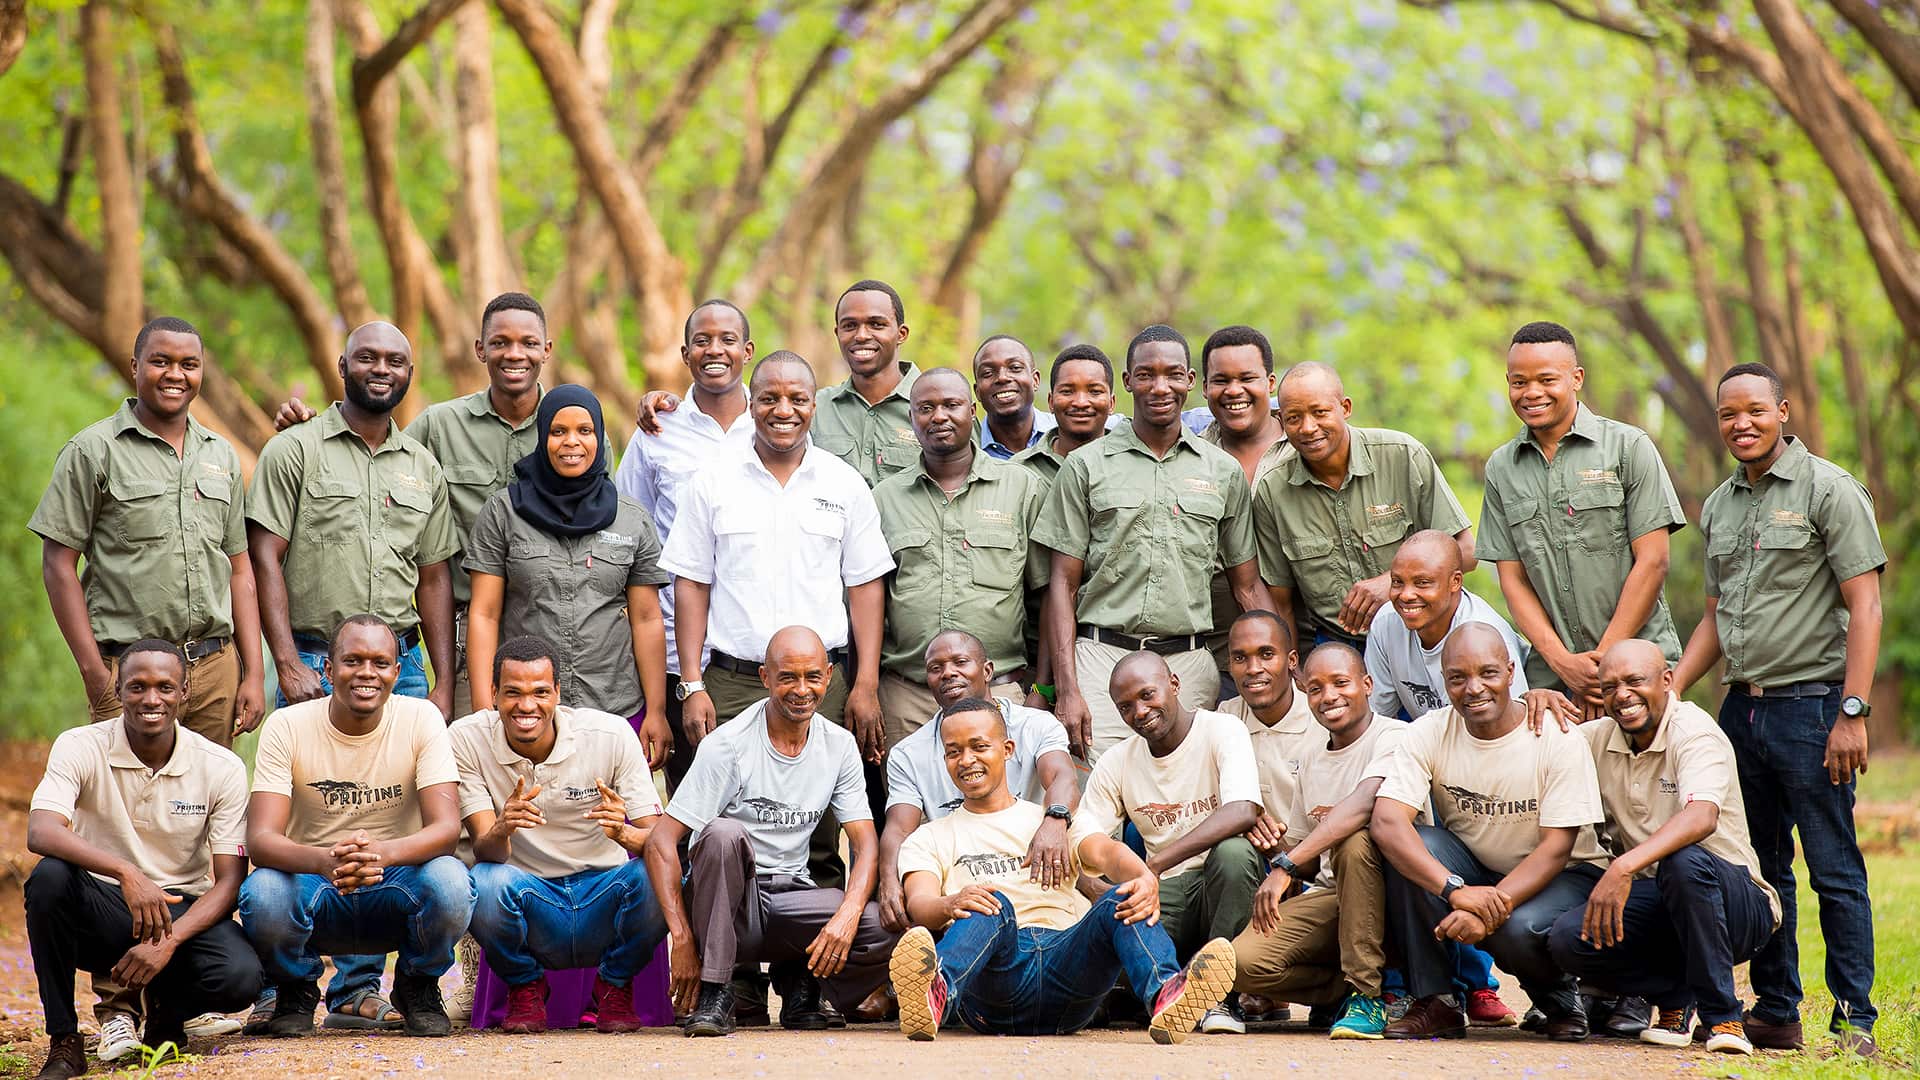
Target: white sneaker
x,y
211,1025
118,1038
1729,1038
1218,1021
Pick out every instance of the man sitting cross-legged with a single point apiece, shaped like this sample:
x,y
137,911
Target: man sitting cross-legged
x,y
758,787
1512,847
138,822
1019,957
351,827
1683,900
557,801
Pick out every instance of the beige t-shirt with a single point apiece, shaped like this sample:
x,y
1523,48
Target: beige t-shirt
x,y
964,848
1689,760
169,823
1166,797
1497,794
1279,750
1328,776
340,783
588,746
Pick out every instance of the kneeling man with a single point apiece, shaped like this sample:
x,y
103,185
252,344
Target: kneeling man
x,y
1019,957
557,800
139,824
1512,847
1683,900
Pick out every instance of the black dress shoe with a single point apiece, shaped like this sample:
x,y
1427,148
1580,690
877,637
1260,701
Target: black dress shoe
x,y
1570,1026
713,1013
800,1005
1627,1019
66,1059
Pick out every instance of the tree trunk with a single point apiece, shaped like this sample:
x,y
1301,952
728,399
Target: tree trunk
x,y
1018,90
13,32
121,293
479,158
1896,48
330,170
1700,254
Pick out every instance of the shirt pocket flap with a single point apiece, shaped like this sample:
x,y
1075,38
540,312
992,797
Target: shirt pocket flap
x,y
1595,496
837,443
992,536
908,539
1723,543
411,497
824,523
1202,504
617,554
333,487
130,488
217,488
1785,537
1387,530
527,548
469,472
1108,497
1306,546
900,455
1521,511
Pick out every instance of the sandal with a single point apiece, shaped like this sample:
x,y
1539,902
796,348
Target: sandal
x,y
365,1010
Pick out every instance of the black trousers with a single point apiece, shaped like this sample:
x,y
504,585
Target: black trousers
x,y
76,922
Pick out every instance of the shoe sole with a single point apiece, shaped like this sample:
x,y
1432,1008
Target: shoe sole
x,y
1672,1039
116,1055
1353,1033
213,1029
1209,977
1720,1045
1507,1021
349,1022
522,1029
1448,1033
913,966
707,1031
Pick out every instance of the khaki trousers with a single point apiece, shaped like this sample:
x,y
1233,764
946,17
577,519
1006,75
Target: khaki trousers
x,y
213,687
1094,662
1328,939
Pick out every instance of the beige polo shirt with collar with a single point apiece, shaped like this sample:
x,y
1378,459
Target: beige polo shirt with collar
x,y
1278,751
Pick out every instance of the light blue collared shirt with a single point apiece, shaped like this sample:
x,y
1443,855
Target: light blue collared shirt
x,y
1043,422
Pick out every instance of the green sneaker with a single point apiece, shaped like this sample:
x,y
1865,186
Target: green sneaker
x,y
1364,1018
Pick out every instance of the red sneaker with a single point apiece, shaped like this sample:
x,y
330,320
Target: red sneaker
x,y
526,1008
614,1008
1485,1009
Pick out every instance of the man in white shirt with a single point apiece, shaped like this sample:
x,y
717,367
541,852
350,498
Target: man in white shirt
x,y
140,825
759,787
1683,900
557,801
1512,846
1018,957
1426,602
661,461
920,788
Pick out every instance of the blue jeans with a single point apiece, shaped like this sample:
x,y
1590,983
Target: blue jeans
x,y
413,669
292,919
1779,745
1006,980
528,925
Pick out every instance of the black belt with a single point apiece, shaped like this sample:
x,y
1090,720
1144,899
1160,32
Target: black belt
x,y
751,668
309,643
196,650
1791,690
1165,646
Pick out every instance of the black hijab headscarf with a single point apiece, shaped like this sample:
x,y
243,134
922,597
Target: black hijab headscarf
x,y
564,506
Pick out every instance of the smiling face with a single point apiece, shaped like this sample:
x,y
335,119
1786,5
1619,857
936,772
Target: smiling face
x,y
166,378
152,690
1260,661
527,698
1314,412
1159,379
1543,384
364,665
782,405
717,349
796,674
1424,582
1752,420
1337,687
1081,399
514,346
1636,682
942,412
377,367
1147,695
573,443
1238,386
868,333
1479,673
976,748
1006,378
957,669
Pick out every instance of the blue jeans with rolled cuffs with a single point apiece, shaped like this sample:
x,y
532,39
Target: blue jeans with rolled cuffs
x,y
529,925
294,919
313,653
1003,979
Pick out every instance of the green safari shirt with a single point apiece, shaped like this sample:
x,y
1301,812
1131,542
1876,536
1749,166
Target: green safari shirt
x,y
1042,460
1571,522
358,525
962,563
1777,552
1225,607
1319,542
476,448
157,532
877,440
1150,530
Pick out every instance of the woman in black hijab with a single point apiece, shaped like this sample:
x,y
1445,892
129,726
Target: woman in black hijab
x,y
561,555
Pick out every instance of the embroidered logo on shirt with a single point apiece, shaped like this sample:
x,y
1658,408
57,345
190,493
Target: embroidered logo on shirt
x,y
608,536
186,809
904,435
1599,476
1199,484
775,812
411,481
990,865
994,517
1424,696
579,794
829,506
354,795
1382,511
1669,787
1789,517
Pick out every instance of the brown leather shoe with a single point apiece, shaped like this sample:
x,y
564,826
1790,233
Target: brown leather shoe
x,y
1854,1041
1766,1035
1568,1027
1430,1018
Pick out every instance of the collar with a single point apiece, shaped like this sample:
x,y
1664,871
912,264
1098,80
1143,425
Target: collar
x,y
505,754
480,403
1792,464
692,406
1618,743
977,469
1585,424
1214,433
1123,438
902,390
333,423
809,460
1299,717
1043,422
124,420
1359,461
120,753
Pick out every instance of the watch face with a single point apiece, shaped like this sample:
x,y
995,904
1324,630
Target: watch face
x,y
1852,706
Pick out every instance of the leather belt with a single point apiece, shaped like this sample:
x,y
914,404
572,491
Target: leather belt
x,y
751,668
1165,646
196,650
309,643
1791,690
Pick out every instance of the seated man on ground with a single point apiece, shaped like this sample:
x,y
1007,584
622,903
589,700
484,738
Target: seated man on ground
x,y
1187,781
1326,946
1016,956
919,788
1426,603
1512,847
758,786
558,801
139,825
1683,900
351,827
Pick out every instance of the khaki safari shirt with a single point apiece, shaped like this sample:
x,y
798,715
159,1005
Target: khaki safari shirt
x,y
358,525
962,562
1150,530
1777,552
1042,460
1225,608
157,532
877,440
476,448
1571,522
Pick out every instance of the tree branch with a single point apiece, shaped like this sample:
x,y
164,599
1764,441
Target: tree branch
x,y
13,32
372,68
1900,51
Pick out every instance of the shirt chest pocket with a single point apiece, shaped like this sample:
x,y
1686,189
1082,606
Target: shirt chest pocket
x,y
1525,529
1723,560
736,535
819,539
1786,558
837,443
330,507
406,512
1199,524
1307,551
1115,509
142,511
474,481
610,565
898,454
1599,513
1386,526
993,556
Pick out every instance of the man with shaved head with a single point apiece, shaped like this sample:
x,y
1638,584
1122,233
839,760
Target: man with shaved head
x,y
1331,516
1684,899
1511,848
1428,602
759,787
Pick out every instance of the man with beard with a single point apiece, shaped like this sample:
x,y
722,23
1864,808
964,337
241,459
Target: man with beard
x,y
140,825
959,526
1427,603
759,787
1683,900
1137,524
1331,516
1512,846
864,420
1006,380
1019,956
919,788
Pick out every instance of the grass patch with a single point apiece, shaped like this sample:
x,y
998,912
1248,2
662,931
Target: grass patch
x,y
17,1062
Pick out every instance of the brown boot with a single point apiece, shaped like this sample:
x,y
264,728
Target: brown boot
x,y
66,1058
1767,1035
1430,1018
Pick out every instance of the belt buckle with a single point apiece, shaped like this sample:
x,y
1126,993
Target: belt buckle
x,y
187,647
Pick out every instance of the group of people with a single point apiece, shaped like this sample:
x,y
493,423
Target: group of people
x,y
966,713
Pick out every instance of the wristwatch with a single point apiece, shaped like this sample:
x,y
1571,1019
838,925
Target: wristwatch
x,y
685,690
1279,861
1454,881
1059,811
1854,706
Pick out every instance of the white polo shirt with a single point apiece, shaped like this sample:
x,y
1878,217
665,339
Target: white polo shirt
x,y
770,552
656,470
